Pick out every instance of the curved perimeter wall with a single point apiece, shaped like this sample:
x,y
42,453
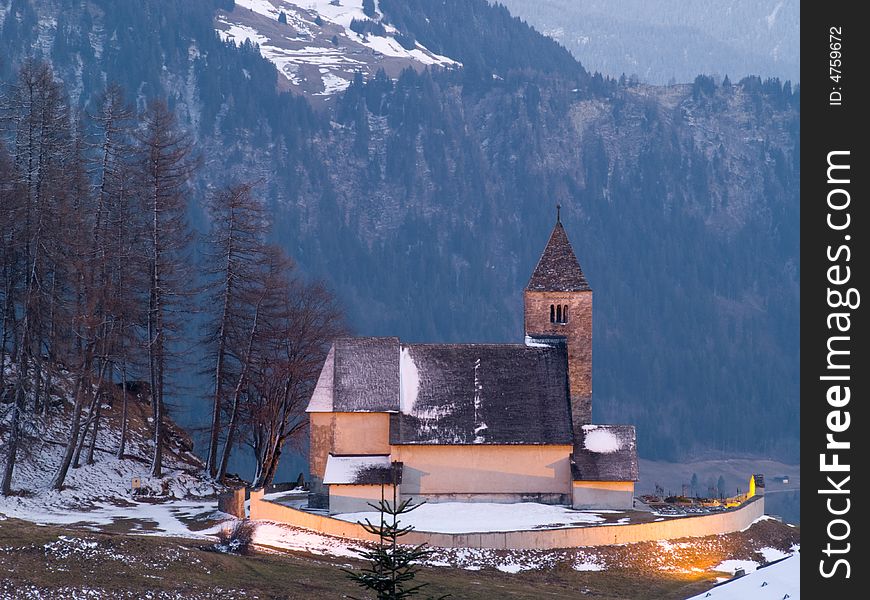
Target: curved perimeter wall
x,y
600,535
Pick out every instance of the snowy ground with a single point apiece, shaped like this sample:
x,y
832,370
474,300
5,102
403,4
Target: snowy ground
x,y
285,537
100,495
463,517
169,518
774,582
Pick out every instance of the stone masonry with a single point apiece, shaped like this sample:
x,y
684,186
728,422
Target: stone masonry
x,y
578,331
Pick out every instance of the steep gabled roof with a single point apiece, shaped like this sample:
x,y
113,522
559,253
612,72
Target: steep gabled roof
x,y
366,375
322,397
451,393
483,394
605,453
558,269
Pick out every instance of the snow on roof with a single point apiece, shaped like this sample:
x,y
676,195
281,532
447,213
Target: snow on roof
x,y
600,439
605,453
546,341
357,470
409,377
773,582
321,399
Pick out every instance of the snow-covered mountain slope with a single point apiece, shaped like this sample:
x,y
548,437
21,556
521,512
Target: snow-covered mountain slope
x,y
314,47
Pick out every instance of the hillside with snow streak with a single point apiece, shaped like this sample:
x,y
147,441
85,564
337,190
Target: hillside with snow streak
x,y
319,45
104,485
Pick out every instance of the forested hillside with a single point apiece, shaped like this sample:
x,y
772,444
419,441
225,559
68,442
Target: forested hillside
x,y
425,201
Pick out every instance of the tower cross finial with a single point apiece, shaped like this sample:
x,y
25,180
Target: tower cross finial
x,y
558,213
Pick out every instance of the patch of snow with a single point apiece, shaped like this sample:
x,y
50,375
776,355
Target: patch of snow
x,y
773,582
286,537
510,567
143,518
101,492
263,7
241,33
588,565
601,441
772,554
771,18
758,520
531,343
430,58
479,426
409,378
250,19
469,517
344,469
669,546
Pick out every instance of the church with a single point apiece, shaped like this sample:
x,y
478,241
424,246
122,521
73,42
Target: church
x,y
474,422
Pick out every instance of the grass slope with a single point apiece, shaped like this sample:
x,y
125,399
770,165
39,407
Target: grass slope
x,y
63,562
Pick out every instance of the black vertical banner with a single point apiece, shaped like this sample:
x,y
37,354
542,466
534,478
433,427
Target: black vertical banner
x,y
834,338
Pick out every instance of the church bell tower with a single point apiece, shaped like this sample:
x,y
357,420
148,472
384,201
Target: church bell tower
x,y
558,301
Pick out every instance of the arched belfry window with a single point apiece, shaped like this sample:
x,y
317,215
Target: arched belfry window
x,y
559,314
552,313
565,314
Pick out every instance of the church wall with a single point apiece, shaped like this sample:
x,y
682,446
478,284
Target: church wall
x,y
578,330
343,433
346,433
603,494
356,498
485,472
362,433
321,426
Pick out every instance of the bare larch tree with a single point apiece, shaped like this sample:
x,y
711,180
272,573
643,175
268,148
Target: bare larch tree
x,y
166,165
233,255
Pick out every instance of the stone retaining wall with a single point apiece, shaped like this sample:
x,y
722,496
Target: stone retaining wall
x,y
600,535
232,502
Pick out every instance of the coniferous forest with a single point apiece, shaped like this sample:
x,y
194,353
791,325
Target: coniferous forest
x,y
139,152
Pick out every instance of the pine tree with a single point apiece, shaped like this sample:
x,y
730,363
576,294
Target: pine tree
x,y
392,571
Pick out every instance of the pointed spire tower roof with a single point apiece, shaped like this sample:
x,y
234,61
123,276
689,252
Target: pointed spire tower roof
x,y
558,269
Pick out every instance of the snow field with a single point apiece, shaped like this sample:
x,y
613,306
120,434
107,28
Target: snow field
x,y
467,517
